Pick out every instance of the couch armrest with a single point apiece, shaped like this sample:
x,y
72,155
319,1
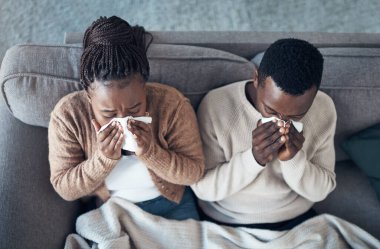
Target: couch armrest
x,y
32,215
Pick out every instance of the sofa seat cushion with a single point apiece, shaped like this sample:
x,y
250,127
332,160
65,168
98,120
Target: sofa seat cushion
x,y
351,77
34,77
353,199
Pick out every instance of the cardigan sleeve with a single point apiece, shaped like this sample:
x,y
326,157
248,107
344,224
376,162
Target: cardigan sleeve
x,y
71,174
182,161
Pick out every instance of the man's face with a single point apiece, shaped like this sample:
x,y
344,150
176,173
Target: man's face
x,y
271,101
117,100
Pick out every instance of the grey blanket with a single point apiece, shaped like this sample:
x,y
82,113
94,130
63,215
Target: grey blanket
x,y
121,224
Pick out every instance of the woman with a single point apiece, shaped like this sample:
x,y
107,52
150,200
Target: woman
x,y
86,159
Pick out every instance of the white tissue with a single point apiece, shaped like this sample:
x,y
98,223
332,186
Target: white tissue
x,y
296,124
129,142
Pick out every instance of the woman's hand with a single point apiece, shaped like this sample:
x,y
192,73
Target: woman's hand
x,y
110,140
142,133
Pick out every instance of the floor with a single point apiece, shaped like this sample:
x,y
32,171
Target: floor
x,y
45,21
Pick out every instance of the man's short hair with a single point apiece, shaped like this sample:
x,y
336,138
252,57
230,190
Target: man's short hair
x,y
294,65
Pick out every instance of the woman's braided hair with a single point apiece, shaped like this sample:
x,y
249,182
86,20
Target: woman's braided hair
x,y
114,50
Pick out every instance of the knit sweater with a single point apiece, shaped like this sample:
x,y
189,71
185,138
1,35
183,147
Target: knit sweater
x,y
235,188
79,168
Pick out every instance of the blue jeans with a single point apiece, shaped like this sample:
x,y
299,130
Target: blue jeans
x,y
163,207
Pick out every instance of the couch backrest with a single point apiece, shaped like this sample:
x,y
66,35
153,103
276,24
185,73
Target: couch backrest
x,y
248,43
34,77
351,73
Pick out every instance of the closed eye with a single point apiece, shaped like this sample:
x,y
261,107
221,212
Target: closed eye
x,y
109,116
133,112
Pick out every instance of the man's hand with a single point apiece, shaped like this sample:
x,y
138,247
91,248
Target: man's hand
x,y
142,133
293,144
110,140
266,141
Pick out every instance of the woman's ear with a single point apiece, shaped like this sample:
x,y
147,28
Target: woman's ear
x,y
255,77
88,97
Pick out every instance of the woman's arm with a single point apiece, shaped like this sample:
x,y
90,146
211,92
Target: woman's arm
x,y
72,176
182,162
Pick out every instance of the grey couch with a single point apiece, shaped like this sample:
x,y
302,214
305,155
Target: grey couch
x,y
34,77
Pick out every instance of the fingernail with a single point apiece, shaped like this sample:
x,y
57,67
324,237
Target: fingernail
x,y
282,130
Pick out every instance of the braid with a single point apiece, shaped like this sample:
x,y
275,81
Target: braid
x,y
113,50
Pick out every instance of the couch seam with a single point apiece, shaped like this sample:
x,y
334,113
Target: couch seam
x,y
351,87
12,76
37,75
243,60
356,56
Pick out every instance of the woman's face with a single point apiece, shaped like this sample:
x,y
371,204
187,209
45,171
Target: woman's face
x,y
118,98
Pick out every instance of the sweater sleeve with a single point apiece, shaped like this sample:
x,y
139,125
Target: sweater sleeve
x,y
182,161
314,178
71,175
224,177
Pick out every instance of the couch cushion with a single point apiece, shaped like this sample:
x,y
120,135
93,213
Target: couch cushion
x,y
364,148
353,199
351,77
35,77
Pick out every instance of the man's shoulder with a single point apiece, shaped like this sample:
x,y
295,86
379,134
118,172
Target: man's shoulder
x,y
324,103
228,96
322,113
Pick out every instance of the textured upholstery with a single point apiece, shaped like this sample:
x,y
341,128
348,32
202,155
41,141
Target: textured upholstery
x,y
35,77
32,215
354,199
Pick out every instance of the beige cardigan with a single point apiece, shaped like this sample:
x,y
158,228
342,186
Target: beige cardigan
x,y
79,169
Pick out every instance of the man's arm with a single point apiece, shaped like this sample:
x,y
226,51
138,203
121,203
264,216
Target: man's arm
x,y
314,178
223,177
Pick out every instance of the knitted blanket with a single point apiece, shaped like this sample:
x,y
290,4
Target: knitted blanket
x,y
121,224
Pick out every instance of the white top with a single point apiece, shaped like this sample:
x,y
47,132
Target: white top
x,y
130,180
235,188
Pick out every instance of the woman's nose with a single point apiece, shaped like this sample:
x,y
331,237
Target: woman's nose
x,y
122,114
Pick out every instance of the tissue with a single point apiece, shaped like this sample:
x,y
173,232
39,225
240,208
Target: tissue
x,y
296,124
129,142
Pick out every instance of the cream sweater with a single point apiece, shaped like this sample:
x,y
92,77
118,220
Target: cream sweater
x,y
235,188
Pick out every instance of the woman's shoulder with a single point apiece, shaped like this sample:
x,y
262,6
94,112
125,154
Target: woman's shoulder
x,y
161,93
71,104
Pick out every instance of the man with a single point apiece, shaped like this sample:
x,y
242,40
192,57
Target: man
x,y
268,175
